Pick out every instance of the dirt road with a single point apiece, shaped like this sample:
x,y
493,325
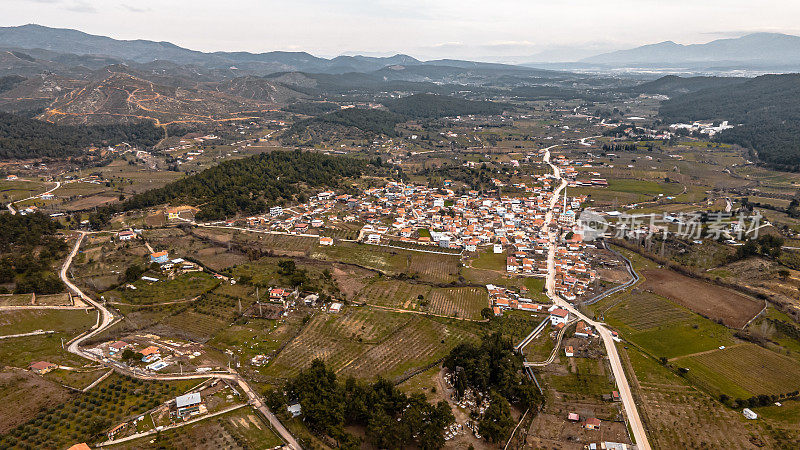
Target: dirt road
x,y
107,319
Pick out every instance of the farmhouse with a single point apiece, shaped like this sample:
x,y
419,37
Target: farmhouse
x,y
150,353
326,241
188,404
592,423
126,235
117,346
159,257
42,367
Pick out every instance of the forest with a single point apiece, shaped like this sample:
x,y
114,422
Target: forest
x,y
430,106
23,138
369,122
764,110
28,250
391,419
493,367
250,185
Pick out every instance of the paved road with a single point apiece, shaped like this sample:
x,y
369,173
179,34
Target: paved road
x,y
107,319
634,420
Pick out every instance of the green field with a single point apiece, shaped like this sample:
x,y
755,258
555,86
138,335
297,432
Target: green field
x,y
665,329
743,371
490,261
182,287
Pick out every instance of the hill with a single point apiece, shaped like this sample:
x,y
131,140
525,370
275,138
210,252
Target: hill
x,y
766,109
117,94
250,185
756,50
352,123
23,138
259,89
672,85
426,106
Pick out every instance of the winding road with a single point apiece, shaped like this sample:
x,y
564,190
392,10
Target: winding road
x,y
632,413
10,205
107,318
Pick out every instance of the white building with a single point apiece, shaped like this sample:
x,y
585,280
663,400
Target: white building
x,y
558,316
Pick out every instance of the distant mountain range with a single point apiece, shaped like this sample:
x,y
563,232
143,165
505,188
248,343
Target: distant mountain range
x,y
70,46
750,51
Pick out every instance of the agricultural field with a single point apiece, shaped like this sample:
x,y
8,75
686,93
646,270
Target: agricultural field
x,y
67,322
242,428
466,302
24,394
678,415
182,287
743,370
715,302
86,417
366,343
663,328
395,294
428,267
490,261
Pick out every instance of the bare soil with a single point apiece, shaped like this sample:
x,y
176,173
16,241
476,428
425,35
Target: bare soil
x,y
715,302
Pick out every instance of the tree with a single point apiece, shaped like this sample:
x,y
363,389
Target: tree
x,y
497,421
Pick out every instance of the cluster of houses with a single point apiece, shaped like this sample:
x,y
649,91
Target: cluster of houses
x,y
503,299
469,221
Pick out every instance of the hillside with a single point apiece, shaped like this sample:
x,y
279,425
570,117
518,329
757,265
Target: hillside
x,y
350,123
672,85
426,106
115,95
252,184
259,89
767,109
23,138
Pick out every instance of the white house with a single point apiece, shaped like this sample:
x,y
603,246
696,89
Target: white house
x,y
558,316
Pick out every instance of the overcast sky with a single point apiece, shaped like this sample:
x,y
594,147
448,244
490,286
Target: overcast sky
x,y
499,30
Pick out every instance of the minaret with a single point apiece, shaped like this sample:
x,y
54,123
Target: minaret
x,y
565,200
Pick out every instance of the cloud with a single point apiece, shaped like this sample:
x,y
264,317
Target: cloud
x,y
81,7
135,9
